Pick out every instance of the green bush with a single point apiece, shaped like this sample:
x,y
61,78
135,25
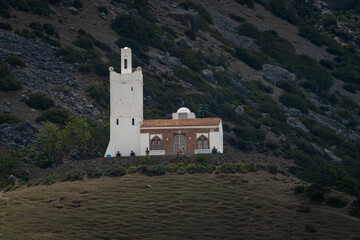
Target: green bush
x,y
248,3
8,118
116,171
272,168
71,55
240,167
84,41
132,169
181,170
103,46
94,172
36,26
100,94
39,101
145,160
304,208
102,9
77,4
8,82
204,15
316,192
173,167
155,170
336,202
85,68
73,175
294,101
99,67
191,34
237,18
15,61
49,28
299,189
25,33
283,9
56,116
227,168
248,57
251,167
201,159
5,26
61,89
195,168
50,41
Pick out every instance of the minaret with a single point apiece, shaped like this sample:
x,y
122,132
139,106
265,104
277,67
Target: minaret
x,y
126,108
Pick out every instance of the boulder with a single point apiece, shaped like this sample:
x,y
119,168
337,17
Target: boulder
x,y
272,74
240,88
295,122
13,178
332,156
188,19
239,110
73,10
183,42
208,75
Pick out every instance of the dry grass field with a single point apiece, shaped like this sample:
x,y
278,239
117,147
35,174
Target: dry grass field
x,y
200,206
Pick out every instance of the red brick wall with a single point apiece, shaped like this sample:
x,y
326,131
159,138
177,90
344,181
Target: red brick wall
x,y
167,142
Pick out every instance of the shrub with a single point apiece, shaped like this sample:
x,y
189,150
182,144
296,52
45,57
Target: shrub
x,y
173,167
237,18
99,67
299,189
145,160
316,192
61,89
77,4
204,15
71,55
5,26
84,41
181,170
103,46
56,116
248,57
85,68
248,3
73,175
49,28
201,159
190,33
350,87
102,9
25,33
8,118
132,169
116,171
155,170
36,26
8,82
251,167
15,61
227,168
294,101
94,172
100,94
50,41
272,168
336,202
283,9
240,167
39,101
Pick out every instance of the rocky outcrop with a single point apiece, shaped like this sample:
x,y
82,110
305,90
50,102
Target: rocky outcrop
x,y
295,122
272,74
16,136
229,31
240,88
189,18
332,156
208,75
44,71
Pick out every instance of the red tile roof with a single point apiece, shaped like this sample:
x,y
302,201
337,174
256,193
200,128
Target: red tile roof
x,y
181,122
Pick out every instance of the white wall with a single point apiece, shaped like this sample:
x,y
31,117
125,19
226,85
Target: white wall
x,y
144,143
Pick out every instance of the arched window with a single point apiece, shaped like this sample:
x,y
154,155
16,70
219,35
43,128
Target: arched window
x,y
179,143
155,143
202,143
199,144
125,64
205,143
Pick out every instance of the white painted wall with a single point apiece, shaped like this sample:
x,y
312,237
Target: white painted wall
x,y
144,143
126,108
216,139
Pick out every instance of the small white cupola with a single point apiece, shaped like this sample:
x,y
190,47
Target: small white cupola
x,y
183,113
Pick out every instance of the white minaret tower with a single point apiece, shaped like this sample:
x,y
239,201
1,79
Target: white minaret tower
x,y
126,108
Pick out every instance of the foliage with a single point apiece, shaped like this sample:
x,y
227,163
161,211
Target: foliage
x,y
100,94
25,33
8,118
77,4
248,57
49,28
191,34
50,41
251,167
15,61
8,82
56,116
249,3
272,168
336,202
205,17
84,41
316,192
294,101
283,9
190,77
102,9
132,169
155,170
39,101
145,160
304,208
201,159
299,189
94,172
195,168
116,171
73,175
5,26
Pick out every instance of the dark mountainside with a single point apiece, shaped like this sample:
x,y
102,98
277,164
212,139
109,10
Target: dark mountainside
x,y
284,75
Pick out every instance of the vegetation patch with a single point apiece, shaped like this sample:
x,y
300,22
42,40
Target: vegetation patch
x,y
8,82
5,26
39,101
9,119
56,116
16,61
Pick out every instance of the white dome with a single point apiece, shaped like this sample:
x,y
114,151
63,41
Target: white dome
x,y
183,110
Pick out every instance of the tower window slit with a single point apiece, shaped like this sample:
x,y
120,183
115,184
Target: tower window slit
x,y
117,121
133,121
125,64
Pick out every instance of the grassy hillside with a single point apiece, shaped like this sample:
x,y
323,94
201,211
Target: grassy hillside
x,y
256,205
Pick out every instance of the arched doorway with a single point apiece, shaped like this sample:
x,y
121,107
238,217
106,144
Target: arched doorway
x,y
179,143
